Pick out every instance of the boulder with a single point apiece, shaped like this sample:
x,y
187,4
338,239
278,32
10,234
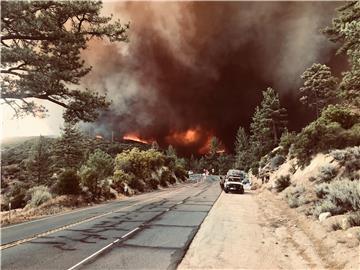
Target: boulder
x,y
324,216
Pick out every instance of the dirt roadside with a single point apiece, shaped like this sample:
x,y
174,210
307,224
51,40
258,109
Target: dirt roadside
x,y
259,231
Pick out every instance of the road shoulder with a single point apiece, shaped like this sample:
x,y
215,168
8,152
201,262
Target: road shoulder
x,y
238,233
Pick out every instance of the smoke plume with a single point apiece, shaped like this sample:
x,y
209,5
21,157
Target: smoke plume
x,y
200,67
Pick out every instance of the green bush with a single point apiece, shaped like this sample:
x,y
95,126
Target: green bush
x,y
166,178
282,182
322,190
137,184
38,195
121,178
181,173
340,196
286,140
16,196
350,159
68,182
354,219
296,197
337,127
154,183
327,173
96,169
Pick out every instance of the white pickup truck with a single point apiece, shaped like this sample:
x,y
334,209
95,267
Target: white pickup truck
x,y
233,181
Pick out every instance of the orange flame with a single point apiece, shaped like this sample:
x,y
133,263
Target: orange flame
x,y
187,137
99,137
136,138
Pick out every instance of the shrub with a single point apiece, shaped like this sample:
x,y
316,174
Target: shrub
x,y
342,196
296,197
137,184
38,195
327,173
336,226
337,127
154,183
286,140
348,158
121,178
354,219
166,178
322,190
16,196
97,168
68,182
181,173
282,182
276,161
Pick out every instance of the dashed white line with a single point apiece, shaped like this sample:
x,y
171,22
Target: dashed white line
x,y
101,250
134,230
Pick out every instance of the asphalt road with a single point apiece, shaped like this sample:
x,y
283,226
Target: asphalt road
x,y
151,231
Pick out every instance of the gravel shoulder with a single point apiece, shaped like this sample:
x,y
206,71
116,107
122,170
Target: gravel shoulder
x,y
259,231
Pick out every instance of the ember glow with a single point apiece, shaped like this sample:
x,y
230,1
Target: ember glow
x,y
136,138
187,137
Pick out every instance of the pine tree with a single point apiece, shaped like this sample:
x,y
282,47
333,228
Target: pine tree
x,y
242,149
171,152
70,148
268,123
214,146
319,87
155,145
39,164
41,46
345,29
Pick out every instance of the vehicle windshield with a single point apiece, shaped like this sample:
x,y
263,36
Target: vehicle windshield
x,y
236,173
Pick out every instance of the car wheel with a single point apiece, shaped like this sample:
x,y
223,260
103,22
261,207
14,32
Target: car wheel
x,y
226,190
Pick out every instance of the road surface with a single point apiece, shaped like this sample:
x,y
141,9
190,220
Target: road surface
x,y
148,231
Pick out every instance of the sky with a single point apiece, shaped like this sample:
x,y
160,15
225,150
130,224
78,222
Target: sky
x,y
195,70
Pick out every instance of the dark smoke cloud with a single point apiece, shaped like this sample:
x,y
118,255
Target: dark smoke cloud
x,y
204,64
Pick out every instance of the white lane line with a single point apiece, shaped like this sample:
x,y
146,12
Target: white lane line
x,y
82,209
24,240
134,230
91,256
101,250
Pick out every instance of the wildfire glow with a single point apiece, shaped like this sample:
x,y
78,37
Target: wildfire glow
x,y
187,137
136,138
205,149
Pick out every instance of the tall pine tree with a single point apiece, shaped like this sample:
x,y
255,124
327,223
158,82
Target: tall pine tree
x,y
319,87
70,148
39,163
268,123
242,149
345,29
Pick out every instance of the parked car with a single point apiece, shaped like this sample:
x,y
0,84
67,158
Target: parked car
x,y
233,181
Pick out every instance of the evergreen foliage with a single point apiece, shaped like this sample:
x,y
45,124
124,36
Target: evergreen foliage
x,y
68,182
39,164
41,46
268,123
69,149
319,87
345,30
97,167
242,149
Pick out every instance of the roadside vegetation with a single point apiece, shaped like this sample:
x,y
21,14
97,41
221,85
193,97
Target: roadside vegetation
x,y
317,169
39,170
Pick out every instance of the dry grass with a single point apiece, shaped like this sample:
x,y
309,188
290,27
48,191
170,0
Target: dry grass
x,y
53,206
